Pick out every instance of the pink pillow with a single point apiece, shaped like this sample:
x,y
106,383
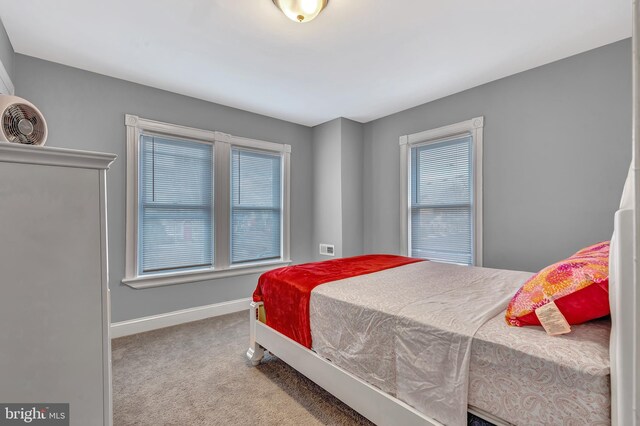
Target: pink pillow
x,y
579,286
596,250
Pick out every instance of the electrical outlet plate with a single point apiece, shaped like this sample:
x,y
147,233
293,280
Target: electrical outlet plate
x,y
327,250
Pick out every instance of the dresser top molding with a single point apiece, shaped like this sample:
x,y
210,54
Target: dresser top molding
x,y
50,156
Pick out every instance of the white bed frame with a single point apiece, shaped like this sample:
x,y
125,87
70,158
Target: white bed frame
x,y
383,409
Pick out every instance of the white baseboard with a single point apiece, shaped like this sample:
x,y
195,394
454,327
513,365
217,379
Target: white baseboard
x,y
140,325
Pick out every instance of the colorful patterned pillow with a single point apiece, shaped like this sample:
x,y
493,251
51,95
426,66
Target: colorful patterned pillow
x,y
579,286
596,250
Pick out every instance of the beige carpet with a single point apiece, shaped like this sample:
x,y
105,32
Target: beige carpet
x,y
196,374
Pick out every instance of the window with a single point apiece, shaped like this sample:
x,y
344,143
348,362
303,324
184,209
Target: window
x,y
442,193
255,206
202,204
176,205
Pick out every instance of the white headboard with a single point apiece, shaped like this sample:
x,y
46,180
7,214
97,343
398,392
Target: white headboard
x,y
624,290
623,310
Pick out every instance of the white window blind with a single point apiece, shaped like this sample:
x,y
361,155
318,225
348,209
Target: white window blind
x,y
256,206
176,205
441,200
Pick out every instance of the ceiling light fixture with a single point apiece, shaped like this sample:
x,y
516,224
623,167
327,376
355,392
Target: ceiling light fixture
x,y
301,10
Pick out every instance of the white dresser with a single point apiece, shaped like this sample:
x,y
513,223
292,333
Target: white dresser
x,y
54,300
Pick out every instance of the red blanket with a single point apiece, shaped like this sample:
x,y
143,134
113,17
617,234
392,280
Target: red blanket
x,y
286,291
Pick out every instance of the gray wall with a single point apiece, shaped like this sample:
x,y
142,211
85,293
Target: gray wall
x,y
352,135
6,52
86,111
557,143
337,188
557,148
327,186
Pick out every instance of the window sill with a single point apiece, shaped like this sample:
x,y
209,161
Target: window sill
x,y
160,280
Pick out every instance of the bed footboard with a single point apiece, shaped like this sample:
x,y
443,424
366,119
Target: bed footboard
x,y
255,353
379,407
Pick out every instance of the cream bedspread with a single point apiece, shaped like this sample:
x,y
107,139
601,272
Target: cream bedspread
x,y
409,330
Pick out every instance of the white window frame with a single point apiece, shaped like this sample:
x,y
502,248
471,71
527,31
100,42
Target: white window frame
x,y
222,144
474,127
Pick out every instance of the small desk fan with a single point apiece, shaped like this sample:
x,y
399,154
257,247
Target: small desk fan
x,y
21,122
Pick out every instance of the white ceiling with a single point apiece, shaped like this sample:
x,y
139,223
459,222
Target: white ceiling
x,y
360,59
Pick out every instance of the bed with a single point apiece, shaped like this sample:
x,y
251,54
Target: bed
x,y
370,349
433,336
515,375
